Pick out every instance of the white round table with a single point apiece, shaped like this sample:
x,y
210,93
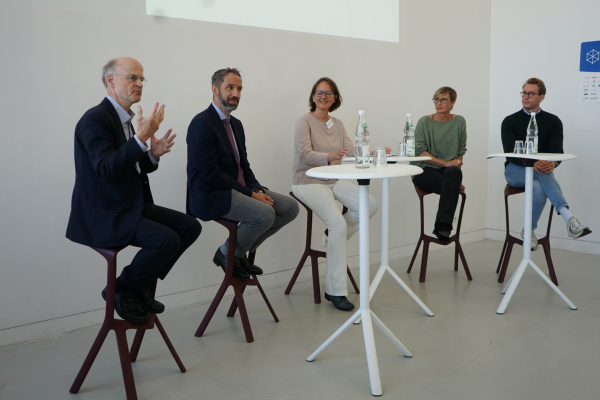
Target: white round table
x,y
513,282
364,175
385,235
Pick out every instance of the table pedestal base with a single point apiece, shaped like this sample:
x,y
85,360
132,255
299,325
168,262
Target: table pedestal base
x,y
369,318
514,280
512,283
377,280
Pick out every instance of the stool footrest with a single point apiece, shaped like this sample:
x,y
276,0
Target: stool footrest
x,y
426,239
510,240
314,258
120,327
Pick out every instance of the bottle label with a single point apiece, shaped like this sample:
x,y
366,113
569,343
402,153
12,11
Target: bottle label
x,y
410,148
361,156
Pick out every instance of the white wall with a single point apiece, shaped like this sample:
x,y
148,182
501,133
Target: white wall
x,y
542,38
52,53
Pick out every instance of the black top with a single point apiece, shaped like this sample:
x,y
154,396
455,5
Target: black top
x,y
109,193
212,168
550,133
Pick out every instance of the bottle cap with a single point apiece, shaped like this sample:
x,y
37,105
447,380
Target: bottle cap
x,y
361,112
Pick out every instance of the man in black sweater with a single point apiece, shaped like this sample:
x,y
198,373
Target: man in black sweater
x,y
550,140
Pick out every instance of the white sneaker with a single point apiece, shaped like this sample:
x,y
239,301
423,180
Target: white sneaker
x,y
534,241
576,229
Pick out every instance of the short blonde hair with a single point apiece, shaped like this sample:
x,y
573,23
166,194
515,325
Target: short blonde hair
x,y
445,89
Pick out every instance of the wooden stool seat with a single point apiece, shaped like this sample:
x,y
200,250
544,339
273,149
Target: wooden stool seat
x,y
314,258
120,327
510,240
238,286
425,239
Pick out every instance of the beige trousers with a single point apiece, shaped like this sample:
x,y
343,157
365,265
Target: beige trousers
x,y
322,200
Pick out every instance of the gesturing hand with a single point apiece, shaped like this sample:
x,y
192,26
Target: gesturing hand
x,y
146,127
337,155
158,147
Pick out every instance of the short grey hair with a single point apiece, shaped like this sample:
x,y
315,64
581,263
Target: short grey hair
x,y
109,69
219,76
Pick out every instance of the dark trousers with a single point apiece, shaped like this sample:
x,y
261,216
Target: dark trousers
x,y
445,182
163,235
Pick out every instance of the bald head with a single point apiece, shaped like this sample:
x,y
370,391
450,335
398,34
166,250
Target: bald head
x,y
117,65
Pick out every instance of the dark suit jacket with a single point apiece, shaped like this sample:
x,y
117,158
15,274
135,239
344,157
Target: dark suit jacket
x,y
109,194
212,168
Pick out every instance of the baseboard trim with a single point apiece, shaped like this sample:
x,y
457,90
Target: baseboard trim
x,y
45,330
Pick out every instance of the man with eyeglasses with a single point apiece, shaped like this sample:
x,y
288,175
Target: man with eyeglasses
x,y
221,183
112,203
550,140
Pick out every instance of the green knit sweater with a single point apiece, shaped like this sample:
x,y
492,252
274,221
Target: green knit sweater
x,y
550,133
443,140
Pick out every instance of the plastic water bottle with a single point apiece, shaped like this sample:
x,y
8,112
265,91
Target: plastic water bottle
x,y
361,144
409,136
532,134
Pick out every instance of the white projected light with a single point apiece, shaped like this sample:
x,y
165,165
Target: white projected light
x,y
372,19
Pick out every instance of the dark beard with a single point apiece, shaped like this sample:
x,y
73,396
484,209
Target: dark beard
x,y
227,106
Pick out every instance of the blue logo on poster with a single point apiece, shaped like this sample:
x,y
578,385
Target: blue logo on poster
x,y
590,57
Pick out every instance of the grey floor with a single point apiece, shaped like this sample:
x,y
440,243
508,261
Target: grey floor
x,y
539,349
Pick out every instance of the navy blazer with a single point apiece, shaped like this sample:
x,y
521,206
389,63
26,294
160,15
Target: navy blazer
x,y
109,194
212,168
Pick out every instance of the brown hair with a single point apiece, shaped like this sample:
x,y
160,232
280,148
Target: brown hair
x,y
539,82
338,97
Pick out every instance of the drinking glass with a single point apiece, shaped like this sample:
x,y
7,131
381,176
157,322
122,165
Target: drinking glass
x,y
379,157
519,147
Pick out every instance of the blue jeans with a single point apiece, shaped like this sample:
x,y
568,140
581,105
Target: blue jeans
x,y
544,186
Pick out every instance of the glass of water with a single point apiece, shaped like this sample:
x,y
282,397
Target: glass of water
x,y
519,147
379,157
402,150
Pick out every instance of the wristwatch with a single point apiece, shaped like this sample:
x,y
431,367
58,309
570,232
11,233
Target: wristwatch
x,y
258,191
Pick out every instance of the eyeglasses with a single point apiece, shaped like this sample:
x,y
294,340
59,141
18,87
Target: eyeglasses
x,y
134,78
530,94
443,100
320,93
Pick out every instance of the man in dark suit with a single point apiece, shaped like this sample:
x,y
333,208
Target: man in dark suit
x,y
112,203
220,181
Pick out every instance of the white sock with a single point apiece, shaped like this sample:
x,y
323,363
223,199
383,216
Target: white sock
x,y
566,214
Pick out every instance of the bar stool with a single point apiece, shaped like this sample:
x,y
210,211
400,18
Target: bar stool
x,y
314,258
510,240
425,239
120,327
239,286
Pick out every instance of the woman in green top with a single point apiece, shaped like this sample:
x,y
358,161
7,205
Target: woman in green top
x,y
443,137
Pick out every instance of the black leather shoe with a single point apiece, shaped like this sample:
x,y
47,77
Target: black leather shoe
x,y
442,231
340,302
149,303
238,271
250,268
128,308
145,301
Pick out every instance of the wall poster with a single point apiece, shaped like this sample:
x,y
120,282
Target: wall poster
x,y
589,72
